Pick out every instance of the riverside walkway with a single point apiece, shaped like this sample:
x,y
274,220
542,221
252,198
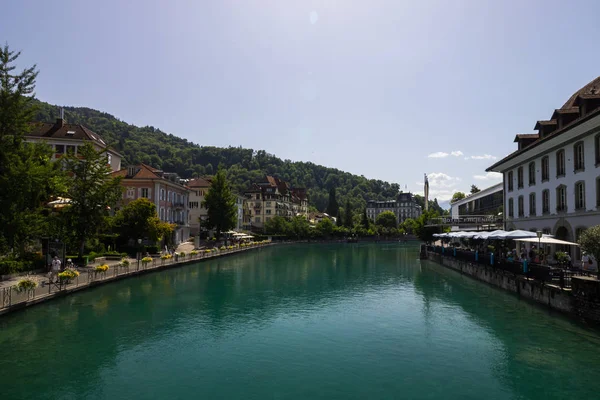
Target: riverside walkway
x,y
12,299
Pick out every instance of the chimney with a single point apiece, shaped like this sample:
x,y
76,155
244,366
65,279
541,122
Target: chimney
x,y
60,122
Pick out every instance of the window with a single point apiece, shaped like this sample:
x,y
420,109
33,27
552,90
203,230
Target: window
x,y
511,211
531,173
532,204
561,198
520,205
59,149
108,157
162,214
520,178
257,219
560,163
578,160
545,169
545,201
268,211
598,192
597,148
510,181
580,195
162,194
144,193
130,193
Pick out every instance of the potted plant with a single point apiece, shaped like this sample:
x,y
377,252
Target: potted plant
x,y
146,260
101,269
193,253
182,255
27,285
67,275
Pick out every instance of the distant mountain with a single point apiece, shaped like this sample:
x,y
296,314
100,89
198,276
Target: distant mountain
x,y
170,153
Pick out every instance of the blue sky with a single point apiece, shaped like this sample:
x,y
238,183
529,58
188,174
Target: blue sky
x,y
387,89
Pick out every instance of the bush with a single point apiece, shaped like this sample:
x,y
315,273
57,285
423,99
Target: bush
x,y
166,256
182,254
146,260
152,249
14,267
207,251
125,262
193,253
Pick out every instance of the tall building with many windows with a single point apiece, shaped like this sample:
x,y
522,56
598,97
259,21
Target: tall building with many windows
x,y
405,206
552,180
274,197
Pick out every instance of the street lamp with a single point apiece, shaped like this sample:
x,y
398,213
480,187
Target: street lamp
x,y
539,236
139,253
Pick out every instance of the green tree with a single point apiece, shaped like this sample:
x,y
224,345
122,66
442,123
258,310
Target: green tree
x,y
138,219
420,228
220,203
474,189
277,225
457,196
28,177
365,220
299,227
333,208
348,218
590,243
325,227
93,192
339,221
387,219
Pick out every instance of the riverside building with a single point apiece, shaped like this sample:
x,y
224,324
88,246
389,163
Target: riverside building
x,y
404,206
274,197
552,181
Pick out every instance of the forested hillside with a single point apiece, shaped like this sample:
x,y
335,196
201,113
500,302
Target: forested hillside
x,y
171,153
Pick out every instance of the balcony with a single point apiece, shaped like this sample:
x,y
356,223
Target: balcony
x,y
178,204
180,223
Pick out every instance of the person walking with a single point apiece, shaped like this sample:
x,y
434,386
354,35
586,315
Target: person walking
x,y
55,269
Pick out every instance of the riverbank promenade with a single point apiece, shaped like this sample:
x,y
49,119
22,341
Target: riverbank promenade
x,y
12,299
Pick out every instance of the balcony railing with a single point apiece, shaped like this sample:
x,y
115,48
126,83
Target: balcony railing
x,y
178,204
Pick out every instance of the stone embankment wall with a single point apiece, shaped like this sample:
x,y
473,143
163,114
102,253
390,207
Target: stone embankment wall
x,y
554,297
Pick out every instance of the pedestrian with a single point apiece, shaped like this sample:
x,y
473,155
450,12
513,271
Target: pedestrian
x,y
532,253
585,261
69,264
55,269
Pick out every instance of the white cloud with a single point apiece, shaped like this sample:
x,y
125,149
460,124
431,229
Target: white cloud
x,y
494,177
439,154
442,154
483,157
441,185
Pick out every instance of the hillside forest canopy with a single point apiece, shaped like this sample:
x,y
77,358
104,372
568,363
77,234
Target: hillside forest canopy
x,y
170,153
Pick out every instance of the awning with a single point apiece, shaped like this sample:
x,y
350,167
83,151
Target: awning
x,y
518,234
547,240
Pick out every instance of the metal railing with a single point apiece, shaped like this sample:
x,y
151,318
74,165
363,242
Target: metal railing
x,y
555,275
10,296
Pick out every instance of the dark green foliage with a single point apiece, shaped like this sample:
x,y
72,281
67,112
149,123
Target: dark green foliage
x,y
244,166
220,205
348,219
93,192
339,221
364,221
387,219
27,175
333,207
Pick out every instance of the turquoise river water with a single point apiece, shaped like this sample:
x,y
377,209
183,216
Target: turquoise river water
x,y
320,321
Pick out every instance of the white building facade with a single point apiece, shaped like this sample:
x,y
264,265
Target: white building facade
x,y
552,182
